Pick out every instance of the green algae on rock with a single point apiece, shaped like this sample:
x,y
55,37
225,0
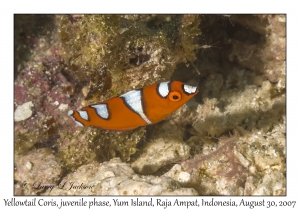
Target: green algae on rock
x,y
145,53
89,144
74,149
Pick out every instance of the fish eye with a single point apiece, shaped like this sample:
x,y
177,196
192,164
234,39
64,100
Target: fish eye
x,y
174,96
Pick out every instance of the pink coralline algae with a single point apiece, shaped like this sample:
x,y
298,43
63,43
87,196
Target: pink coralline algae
x,y
42,83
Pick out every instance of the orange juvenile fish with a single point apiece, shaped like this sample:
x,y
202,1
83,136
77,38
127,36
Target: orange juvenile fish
x,y
136,108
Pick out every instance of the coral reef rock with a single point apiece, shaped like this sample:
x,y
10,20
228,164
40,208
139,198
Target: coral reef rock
x,y
252,164
36,172
165,146
116,178
177,174
23,111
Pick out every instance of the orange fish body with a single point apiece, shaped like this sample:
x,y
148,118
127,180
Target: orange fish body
x,y
136,108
